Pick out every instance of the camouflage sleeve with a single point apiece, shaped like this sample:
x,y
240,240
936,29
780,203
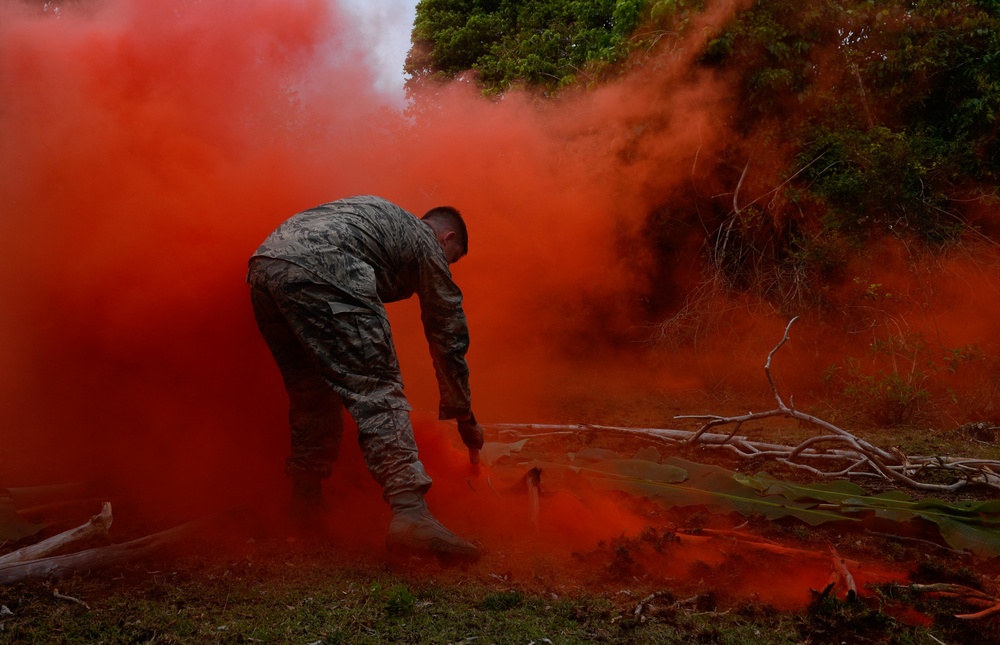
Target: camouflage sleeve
x,y
447,334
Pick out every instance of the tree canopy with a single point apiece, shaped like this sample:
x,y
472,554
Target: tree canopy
x,y
511,42
885,110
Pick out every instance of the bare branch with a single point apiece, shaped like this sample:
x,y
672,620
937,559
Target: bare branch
x,y
62,565
859,458
97,526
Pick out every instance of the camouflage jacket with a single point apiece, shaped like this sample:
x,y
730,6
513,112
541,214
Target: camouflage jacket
x,y
376,252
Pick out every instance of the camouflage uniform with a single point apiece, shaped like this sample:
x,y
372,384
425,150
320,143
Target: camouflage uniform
x,y
317,286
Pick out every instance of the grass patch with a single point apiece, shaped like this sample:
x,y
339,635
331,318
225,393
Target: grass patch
x,y
279,596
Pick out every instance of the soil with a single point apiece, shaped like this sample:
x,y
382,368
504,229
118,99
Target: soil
x,y
669,562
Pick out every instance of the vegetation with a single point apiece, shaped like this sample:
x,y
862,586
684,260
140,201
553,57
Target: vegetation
x,y
281,592
887,110
879,119
510,42
853,127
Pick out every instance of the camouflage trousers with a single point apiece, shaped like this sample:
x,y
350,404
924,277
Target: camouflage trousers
x,y
334,354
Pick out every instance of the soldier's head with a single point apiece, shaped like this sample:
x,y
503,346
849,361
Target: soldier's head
x,y
449,229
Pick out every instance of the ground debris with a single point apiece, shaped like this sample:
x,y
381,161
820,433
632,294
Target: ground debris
x,y
56,594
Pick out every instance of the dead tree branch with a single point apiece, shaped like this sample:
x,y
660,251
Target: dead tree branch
x,y
63,565
855,457
97,526
884,463
851,461
637,612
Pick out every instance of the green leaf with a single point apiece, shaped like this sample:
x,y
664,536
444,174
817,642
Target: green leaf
x,y
638,471
969,525
833,492
981,541
677,482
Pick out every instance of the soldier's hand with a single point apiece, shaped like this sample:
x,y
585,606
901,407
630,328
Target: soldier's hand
x,y
472,432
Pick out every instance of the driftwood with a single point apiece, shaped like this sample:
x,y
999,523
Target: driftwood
x,y
834,453
97,526
96,558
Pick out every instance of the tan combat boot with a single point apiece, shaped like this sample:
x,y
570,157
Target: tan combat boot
x,y
414,529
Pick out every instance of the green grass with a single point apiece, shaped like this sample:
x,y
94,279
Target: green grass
x,y
337,611
283,593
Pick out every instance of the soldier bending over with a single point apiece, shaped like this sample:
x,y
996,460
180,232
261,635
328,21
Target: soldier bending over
x,y
318,284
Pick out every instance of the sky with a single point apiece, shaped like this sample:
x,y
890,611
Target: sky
x,y
386,26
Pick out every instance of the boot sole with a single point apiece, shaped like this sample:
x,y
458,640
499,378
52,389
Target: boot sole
x,y
436,547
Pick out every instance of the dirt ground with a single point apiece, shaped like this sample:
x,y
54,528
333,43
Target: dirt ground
x,y
652,564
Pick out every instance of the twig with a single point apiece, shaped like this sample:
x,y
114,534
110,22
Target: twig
x,y
770,547
767,364
863,459
995,609
56,594
648,599
738,535
736,193
963,593
951,588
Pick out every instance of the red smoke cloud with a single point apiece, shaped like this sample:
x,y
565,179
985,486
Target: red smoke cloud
x,y
148,146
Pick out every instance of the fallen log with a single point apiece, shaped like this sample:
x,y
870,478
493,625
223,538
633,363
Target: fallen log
x,y
96,526
96,558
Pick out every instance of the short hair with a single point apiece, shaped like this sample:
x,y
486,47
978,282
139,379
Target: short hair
x,y
452,220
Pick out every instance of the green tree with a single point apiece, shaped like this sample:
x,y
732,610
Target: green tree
x,y
542,43
880,116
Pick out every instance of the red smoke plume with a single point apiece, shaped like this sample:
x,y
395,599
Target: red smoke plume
x,y
148,146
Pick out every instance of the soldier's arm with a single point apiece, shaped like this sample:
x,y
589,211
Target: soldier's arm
x,y
447,335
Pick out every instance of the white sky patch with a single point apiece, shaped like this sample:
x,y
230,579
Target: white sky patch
x,y
384,28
